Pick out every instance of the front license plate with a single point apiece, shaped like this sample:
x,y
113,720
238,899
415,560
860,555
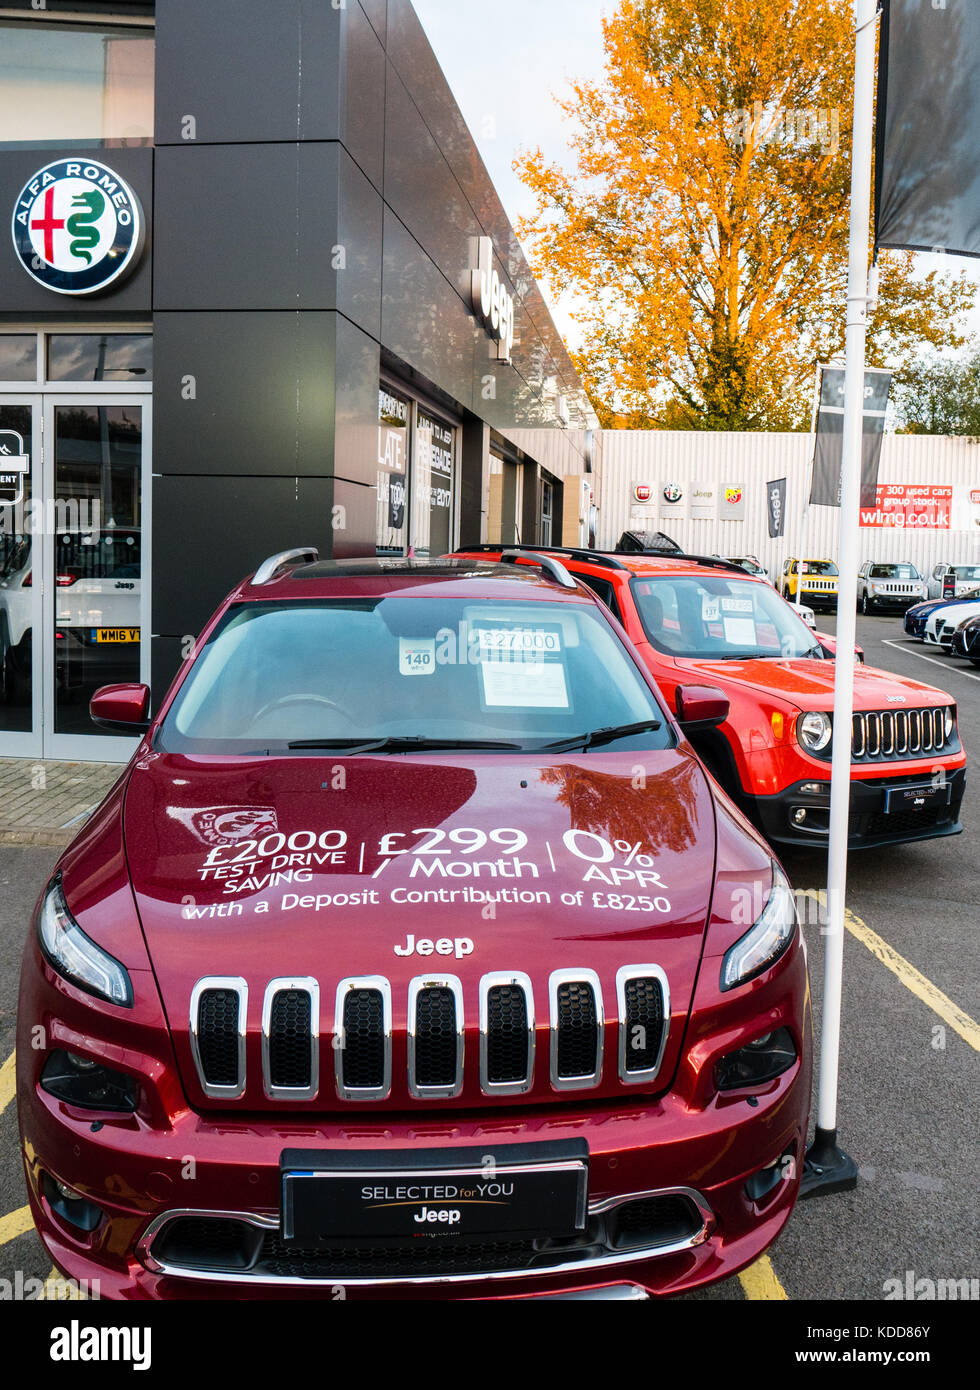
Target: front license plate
x,y
523,1191
117,634
917,797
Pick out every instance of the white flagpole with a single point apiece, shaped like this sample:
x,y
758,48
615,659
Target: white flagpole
x,y
828,1168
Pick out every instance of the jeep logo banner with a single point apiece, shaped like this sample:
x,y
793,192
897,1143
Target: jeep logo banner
x,y
776,507
828,453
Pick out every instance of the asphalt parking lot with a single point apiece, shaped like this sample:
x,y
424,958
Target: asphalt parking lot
x,y
908,1065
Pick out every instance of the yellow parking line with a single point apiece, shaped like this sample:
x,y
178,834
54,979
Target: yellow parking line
x,y
8,1082
15,1224
922,988
58,1288
760,1282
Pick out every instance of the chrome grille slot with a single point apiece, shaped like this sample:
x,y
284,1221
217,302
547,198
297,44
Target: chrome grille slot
x,y
435,1037
362,1038
506,1034
873,725
576,1029
915,731
938,728
643,996
290,1039
901,731
217,1033
859,738
887,733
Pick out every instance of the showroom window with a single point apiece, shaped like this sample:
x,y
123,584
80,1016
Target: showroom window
x,y
77,87
416,478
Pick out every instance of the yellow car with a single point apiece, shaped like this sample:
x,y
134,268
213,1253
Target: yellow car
x,y
817,580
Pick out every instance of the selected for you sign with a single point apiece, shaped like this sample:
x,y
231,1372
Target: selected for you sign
x,y
14,468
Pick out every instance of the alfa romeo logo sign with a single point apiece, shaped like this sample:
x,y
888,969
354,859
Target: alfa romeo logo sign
x,y
77,226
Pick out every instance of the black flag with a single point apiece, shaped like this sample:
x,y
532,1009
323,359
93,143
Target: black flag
x,y
776,505
927,195
828,455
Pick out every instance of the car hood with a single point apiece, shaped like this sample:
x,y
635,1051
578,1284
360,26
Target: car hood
x,y
809,684
321,867
954,612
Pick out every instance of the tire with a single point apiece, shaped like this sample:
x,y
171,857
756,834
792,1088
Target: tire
x,y
864,604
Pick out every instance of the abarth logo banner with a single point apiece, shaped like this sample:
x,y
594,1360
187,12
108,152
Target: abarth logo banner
x,y
77,227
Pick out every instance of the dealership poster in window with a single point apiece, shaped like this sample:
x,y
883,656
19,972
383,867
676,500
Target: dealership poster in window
x,y
432,486
392,473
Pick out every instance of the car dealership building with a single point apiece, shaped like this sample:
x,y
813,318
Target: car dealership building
x,y
258,291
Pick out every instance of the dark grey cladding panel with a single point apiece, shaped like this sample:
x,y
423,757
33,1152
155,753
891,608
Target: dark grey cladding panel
x,y
248,70
411,54
263,385
191,519
246,226
19,292
377,13
356,413
421,190
424,321
360,223
363,93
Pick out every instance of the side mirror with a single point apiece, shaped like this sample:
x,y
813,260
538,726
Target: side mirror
x,y
122,708
701,707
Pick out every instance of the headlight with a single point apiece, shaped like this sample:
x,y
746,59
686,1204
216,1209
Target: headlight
x,y
815,731
761,947
949,719
75,956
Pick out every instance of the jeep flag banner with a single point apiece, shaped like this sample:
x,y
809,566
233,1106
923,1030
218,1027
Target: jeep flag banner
x,y
927,195
829,444
776,507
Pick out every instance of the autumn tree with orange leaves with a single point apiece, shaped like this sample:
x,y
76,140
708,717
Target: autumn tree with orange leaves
x,y
702,231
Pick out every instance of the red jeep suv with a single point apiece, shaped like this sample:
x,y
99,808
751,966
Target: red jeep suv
x,y
699,618
412,955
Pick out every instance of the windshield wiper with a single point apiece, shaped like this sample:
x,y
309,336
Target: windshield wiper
x,y
606,735
407,743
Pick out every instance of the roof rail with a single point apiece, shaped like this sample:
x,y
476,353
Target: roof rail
x,y
596,557
551,567
713,560
268,569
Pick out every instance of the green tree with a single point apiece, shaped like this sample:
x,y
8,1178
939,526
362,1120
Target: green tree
x,y
941,398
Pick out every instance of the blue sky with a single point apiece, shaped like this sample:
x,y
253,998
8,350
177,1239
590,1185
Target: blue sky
x,y
505,61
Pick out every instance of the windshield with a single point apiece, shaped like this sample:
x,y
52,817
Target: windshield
x,y
719,616
826,567
894,572
967,571
352,671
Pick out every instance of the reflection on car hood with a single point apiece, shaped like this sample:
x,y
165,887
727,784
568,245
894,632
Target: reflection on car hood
x,y
321,866
809,683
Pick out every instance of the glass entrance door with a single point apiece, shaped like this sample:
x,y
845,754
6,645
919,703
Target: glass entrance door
x,y
95,625
20,587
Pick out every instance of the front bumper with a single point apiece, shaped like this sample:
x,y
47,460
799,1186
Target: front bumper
x,y
870,824
735,1157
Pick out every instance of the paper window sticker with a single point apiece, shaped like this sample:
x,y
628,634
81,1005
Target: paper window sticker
x,y
740,632
524,685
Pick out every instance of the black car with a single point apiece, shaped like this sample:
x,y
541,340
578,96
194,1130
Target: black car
x,y
966,640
